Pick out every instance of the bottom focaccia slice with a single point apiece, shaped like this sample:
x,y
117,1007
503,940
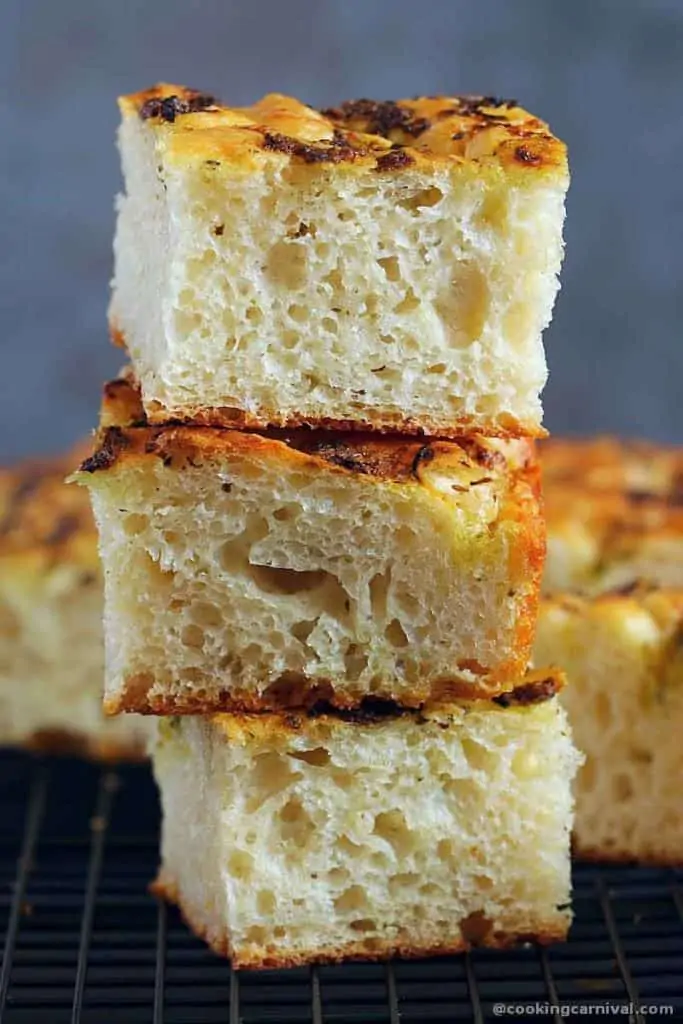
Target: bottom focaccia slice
x,y
51,643
291,839
623,655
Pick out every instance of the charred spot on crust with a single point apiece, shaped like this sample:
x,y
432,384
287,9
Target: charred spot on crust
x,y
488,458
340,453
473,105
370,711
337,150
526,156
169,107
113,442
394,160
424,454
378,117
528,693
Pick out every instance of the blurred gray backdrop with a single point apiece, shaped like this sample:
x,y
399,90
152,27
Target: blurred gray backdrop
x,y
607,75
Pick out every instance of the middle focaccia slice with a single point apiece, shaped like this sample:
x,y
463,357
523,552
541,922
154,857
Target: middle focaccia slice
x,y
257,571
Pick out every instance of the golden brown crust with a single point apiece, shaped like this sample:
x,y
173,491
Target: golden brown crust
x,y
606,465
126,434
618,493
540,932
131,409
41,515
316,722
105,749
504,425
429,132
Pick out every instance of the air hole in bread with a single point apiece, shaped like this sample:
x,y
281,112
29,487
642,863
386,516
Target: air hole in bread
x,y
403,883
192,636
395,634
338,876
135,523
203,613
525,764
348,847
274,580
286,513
256,934
271,774
392,827
290,339
318,756
297,825
286,265
408,303
477,755
240,864
425,197
353,898
265,902
391,267
298,313
355,662
363,924
475,928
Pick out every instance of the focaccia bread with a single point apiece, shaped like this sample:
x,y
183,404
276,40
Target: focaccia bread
x,y
256,571
623,655
615,514
293,839
378,266
51,646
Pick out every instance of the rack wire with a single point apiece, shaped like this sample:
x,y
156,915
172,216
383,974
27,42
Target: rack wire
x,y
84,942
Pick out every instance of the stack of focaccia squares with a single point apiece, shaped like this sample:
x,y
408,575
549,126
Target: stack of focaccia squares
x,y
318,503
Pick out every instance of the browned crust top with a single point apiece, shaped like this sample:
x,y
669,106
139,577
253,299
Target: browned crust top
x,y
39,511
388,135
623,492
125,433
538,687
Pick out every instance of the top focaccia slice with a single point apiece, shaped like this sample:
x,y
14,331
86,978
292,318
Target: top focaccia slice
x,y
380,265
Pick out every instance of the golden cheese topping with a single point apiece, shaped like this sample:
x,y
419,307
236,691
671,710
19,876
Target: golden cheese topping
x,y
427,132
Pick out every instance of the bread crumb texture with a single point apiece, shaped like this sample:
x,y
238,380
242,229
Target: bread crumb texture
x,y
623,655
377,265
250,571
322,840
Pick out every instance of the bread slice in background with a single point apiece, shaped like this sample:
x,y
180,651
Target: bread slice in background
x,y
292,839
623,655
51,644
614,512
257,571
376,266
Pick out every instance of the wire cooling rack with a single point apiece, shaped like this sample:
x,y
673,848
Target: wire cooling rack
x,y
84,943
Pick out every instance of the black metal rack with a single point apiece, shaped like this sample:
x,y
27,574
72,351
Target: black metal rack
x,y
84,943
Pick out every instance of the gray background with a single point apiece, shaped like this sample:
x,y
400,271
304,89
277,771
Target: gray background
x,y
607,75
